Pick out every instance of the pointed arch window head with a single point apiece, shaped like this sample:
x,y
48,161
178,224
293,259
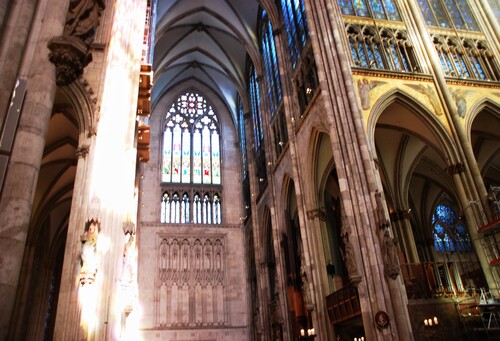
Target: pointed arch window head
x,y
449,231
191,142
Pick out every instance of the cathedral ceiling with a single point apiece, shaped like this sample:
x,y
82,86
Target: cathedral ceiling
x,y
204,42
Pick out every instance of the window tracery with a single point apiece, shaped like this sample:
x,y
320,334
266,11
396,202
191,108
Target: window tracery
x,y
466,58
449,231
388,49
191,159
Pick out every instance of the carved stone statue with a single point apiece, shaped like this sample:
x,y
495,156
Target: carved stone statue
x,y
89,264
306,293
391,260
383,222
70,52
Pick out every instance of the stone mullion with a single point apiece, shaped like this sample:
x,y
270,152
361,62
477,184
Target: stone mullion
x,y
356,175
24,165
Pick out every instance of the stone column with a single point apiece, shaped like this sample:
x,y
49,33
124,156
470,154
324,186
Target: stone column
x,y
356,173
25,159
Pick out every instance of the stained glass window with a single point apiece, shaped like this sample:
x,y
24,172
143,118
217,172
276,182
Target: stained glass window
x,y
191,158
243,141
449,14
271,66
191,152
450,233
466,58
378,9
258,131
294,16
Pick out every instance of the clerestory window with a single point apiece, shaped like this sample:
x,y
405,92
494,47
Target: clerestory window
x,y
191,166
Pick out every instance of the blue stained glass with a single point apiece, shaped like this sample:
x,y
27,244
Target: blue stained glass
x,y
427,13
466,13
438,243
254,103
346,7
462,68
378,10
406,62
392,11
296,26
455,14
362,55
395,58
463,239
378,57
446,214
440,14
360,8
439,229
448,242
476,66
371,58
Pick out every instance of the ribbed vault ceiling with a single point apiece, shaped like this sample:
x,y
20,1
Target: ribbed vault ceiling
x,y
206,42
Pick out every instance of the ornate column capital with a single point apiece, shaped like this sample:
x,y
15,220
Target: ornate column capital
x,y
316,213
70,52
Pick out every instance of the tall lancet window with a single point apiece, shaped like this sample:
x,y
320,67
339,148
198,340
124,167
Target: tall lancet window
x,y
191,160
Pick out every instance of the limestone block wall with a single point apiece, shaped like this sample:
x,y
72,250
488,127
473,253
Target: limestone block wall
x,y
192,282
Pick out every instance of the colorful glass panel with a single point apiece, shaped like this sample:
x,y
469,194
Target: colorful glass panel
x,y
167,155
440,14
258,131
186,156
215,159
465,12
197,156
205,155
296,27
454,12
392,11
176,154
450,235
427,13
377,9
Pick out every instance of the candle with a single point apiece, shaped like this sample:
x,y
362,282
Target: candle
x,y
430,323
312,331
435,320
309,332
426,322
302,332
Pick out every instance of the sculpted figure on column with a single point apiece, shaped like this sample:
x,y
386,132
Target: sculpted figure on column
x,y
391,255
70,52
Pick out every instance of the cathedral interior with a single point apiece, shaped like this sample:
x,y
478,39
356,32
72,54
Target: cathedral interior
x,y
250,170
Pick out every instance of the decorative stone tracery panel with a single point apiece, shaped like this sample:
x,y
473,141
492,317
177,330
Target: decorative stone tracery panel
x,y
190,282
